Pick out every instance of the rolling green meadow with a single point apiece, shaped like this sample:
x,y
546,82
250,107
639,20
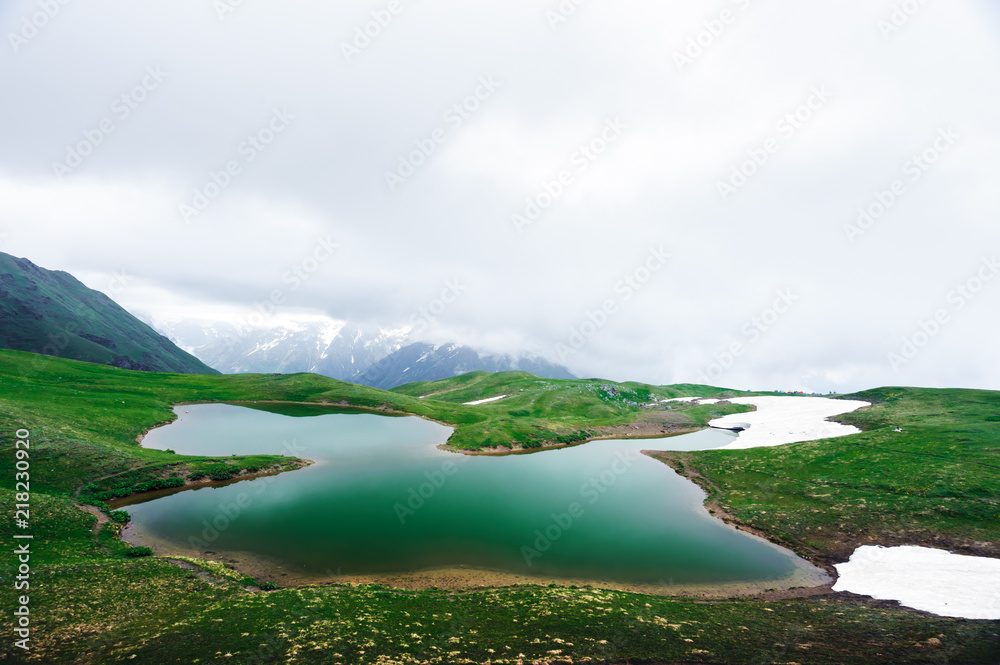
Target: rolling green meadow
x,y
93,599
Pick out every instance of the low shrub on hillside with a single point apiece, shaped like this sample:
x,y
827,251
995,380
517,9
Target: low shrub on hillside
x,y
222,472
119,516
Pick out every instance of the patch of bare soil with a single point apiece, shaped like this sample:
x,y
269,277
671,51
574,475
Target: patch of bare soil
x,y
205,576
101,517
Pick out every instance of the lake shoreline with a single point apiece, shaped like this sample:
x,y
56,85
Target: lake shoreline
x,y
803,582
716,510
805,578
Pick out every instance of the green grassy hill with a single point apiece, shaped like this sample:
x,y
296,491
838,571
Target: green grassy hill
x,y
92,602
52,313
541,412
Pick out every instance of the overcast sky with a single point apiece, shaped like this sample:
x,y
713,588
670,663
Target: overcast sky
x,y
713,154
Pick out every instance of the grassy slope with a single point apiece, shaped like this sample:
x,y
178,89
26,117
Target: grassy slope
x,y
539,411
94,605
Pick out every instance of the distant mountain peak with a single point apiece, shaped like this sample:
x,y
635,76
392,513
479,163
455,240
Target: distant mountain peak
x,y
369,354
321,345
425,362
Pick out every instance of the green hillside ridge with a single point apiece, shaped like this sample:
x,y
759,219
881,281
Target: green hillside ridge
x,y
541,412
95,604
53,313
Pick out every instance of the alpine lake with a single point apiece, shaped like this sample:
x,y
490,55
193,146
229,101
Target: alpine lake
x,y
381,503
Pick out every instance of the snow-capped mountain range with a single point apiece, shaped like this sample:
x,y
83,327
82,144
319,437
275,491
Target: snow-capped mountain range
x,y
366,354
424,362
322,346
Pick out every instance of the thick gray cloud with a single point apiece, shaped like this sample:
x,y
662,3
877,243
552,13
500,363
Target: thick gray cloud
x,y
644,109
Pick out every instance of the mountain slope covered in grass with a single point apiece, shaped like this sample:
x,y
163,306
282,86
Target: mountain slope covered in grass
x,y
53,313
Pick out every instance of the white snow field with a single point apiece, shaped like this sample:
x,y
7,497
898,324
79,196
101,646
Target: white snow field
x,y
779,420
946,584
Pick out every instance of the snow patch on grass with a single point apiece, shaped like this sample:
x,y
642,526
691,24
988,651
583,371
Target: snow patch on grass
x,y
946,584
779,420
484,401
